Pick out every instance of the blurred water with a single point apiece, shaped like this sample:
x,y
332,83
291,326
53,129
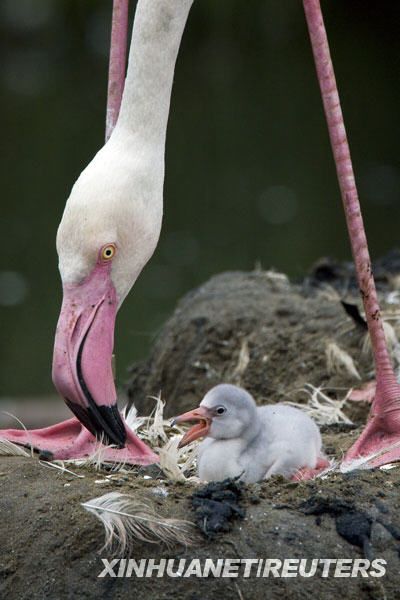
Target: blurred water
x,y
249,173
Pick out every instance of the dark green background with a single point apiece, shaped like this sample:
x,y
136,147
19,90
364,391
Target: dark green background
x,y
249,173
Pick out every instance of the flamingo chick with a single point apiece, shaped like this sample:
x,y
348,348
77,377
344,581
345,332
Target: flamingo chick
x,y
250,441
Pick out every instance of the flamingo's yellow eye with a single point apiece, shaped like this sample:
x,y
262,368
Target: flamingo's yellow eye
x,y
108,252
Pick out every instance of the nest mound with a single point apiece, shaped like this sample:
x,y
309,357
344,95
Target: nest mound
x,y
274,338
263,332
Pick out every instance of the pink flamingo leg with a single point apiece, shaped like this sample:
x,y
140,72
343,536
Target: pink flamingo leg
x,y
70,440
117,64
383,427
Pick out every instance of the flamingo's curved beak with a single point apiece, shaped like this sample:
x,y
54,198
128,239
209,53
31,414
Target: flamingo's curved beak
x,y
201,429
82,371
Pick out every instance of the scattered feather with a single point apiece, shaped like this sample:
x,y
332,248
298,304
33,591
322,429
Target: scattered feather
x,y
178,464
8,448
160,491
131,417
59,467
338,361
155,431
127,522
20,423
333,468
391,339
275,276
393,297
242,364
96,459
365,462
323,409
238,591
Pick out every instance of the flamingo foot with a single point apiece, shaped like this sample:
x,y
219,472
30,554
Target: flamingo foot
x,y
365,393
379,443
308,473
71,440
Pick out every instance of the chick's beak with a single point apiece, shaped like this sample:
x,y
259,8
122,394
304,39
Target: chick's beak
x,y
201,429
82,371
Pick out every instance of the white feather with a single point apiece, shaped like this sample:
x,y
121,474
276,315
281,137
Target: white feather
x,y
365,462
7,448
323,409
127,522
339,361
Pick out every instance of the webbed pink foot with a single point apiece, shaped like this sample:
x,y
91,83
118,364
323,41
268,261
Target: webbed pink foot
x,y
308,473
365,393
380,439
71,440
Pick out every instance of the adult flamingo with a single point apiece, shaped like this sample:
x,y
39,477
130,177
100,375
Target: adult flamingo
x,y
380,440
89,361
108,232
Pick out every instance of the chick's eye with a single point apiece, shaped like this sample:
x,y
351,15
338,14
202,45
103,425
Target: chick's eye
x,y
108,252
220,410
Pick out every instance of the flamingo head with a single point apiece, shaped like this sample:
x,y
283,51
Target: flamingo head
x,y
109,230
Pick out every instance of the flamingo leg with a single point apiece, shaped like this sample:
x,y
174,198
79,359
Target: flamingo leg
x,y
117,63
381,436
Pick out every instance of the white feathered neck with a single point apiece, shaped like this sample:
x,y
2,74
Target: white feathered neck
x,y
119,196
156,37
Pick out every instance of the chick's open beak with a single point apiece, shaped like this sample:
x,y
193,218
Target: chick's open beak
x,y
201,429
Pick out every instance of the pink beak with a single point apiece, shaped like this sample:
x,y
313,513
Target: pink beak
x,y
201,429
84,341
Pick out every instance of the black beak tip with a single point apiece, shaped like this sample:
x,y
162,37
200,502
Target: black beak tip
x,y
108,423
104,422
